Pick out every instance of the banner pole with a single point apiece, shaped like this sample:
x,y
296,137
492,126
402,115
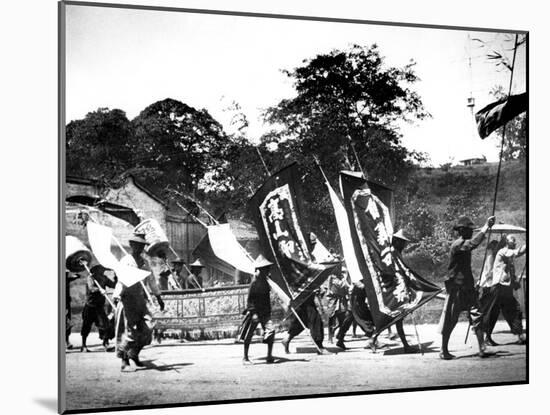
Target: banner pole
x,y
194,278
305,328
468,330
101,290
417,336
263,162
171,278
193,216
118,316
149,298
356,156
499,164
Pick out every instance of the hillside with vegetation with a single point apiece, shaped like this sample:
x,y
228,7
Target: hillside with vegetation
x,y
434,197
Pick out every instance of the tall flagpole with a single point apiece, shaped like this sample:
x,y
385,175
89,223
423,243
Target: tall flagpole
x,y
263,161
498,169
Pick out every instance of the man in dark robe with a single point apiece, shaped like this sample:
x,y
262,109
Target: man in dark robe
x,y
461,293
338,309
399,242
308,313
94,307
258,310
137,316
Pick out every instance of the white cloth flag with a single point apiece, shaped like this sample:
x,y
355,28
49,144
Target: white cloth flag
x,y
227,248
320,253
100,242
345,236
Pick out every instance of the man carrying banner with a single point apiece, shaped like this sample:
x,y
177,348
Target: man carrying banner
x,y
502,290
307,313
94,307
461,295
138,318
399,242
296,276
338,304
258,310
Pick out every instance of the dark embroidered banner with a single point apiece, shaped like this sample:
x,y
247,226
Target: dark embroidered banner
x,y
393,290
278,221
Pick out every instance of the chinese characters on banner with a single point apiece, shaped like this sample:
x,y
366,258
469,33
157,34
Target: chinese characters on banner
x,y
278,221
393,290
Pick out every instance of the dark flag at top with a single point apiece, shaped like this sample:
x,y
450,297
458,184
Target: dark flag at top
x,y
276,211
498,113
393,290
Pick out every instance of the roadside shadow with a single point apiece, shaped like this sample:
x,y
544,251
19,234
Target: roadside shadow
x,y
48,403
193,344
282,360
426,349
513,343
149,365
492,355
313,350
90,351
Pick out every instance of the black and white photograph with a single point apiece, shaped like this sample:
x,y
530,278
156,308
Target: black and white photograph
x,y
267,207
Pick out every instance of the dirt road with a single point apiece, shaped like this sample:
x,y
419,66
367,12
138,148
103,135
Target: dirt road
x,y
205,371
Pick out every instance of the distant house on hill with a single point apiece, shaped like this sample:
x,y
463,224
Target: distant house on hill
x,y
474,160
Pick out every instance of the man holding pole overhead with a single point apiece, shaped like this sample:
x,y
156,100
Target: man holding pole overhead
x,y
461,293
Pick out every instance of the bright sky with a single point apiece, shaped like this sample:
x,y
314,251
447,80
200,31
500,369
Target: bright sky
x,y
129,59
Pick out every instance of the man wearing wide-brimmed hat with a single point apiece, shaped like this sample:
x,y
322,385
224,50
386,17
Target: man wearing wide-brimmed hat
x,y
177,268
258,310
194,279
94,307
461,293
138,324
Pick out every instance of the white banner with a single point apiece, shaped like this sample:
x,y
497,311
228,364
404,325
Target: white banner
x,y
100,242
345,236
227,248
320,253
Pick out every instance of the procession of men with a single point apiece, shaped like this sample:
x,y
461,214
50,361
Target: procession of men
x,y
346,302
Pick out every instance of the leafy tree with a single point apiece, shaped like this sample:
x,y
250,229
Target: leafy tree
x,y
344,98
177,145
99,145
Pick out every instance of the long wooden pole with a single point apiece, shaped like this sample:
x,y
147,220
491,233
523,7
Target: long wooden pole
x,y
498,170
101,290
416,332
268,173
356,156
305,328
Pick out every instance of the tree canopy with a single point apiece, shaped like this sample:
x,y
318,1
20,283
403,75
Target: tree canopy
x,y
99,145
346,103
176,145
